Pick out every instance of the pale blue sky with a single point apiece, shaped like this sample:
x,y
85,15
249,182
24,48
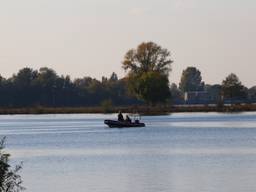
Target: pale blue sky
x,y
90,37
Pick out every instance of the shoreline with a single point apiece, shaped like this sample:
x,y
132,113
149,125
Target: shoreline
x,y
144,110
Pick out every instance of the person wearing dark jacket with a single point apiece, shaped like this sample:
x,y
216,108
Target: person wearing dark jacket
x,y
120,116
128,119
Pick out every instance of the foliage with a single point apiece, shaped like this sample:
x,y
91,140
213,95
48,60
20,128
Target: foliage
x,y
44,87
214,92
252,93
176,94
148,68
10,181
233,88
106,106
41,88
152,87
191,80
146,58
113,77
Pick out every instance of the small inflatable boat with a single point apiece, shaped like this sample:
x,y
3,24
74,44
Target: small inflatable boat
x,y
123,124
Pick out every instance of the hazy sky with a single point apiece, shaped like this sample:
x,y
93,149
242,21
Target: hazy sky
x,y
90,37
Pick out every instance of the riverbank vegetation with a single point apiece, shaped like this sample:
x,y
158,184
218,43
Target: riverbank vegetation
x,y
142,109
10,180
146,85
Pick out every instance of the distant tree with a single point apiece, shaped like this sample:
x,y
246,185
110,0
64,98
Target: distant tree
x,y
7,92
233,88
113,77
176,93
25,77
151,87
85,82
64,92
191,80
214,92
24,84
47,77
44,87
10,181
147,57
46,83
104,79
252,93
2,91
148,68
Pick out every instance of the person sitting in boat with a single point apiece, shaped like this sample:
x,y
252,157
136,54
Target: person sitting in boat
x,y
128,119
120,116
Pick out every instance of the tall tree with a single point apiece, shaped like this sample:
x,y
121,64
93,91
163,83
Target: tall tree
x,y
46,83
113,77
176,94
191,80
47,77
25,88
147,57
25,77
233,88
148,69
151,87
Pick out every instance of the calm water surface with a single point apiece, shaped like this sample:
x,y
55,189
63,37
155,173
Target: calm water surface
x,y
176,153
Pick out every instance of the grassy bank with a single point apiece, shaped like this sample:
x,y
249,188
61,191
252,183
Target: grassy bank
x,y
146,110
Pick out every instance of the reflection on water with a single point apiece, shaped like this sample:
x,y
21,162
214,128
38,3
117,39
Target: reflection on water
x,y
180,153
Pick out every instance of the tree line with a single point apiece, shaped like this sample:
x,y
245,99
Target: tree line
x,y
44,87
148,67
231,90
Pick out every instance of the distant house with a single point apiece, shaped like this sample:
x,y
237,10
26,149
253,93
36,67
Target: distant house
x,y
197,97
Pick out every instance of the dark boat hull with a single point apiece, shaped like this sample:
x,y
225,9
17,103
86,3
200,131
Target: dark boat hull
x,y
122,124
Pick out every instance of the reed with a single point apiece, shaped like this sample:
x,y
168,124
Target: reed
x,y
142,109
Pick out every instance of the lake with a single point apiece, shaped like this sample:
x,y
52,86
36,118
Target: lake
x,y
192,152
